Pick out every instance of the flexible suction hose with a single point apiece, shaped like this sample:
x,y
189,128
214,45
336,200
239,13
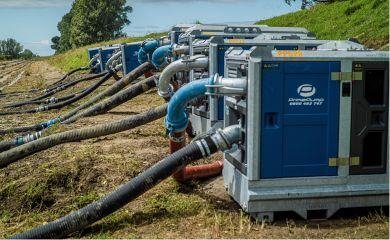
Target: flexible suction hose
x,y
6,145
41,144
47,101
60,105
222,140
117,99
52,91
116,87
100,108
68,74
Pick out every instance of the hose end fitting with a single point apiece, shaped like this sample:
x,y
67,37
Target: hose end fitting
x,y
225,138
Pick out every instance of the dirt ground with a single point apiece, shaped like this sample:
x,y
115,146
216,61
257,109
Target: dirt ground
x,y
52,183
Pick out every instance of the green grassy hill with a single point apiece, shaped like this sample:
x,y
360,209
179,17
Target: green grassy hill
x,y
79,57
366,20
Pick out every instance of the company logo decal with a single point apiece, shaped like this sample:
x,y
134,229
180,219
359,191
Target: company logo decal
x,y
306,92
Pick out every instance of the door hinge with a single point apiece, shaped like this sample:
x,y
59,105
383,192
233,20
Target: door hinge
x,y
347,76
353,161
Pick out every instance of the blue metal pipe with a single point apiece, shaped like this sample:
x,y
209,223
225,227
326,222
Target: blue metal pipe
x,y
147,48
159,58
177,115
142,56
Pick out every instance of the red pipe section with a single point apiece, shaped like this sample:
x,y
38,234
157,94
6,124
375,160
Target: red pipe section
x,y
148,74
178,141
199,172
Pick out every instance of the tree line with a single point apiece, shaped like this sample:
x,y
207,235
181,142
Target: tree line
x,y
11,49
90,22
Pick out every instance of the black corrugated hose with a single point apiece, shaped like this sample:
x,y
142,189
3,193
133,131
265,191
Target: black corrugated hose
x,y
116,87
68,74
100,108
63,86
47,101
95,211
50,92
41,144
117,99
6,145
60,105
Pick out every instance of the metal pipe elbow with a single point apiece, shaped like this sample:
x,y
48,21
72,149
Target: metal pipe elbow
x,y
159,57
112,59
225,138
164,88
147,48
177,116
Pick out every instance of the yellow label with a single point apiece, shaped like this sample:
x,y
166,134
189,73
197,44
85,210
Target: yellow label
x,y
209,33
236,41
289,53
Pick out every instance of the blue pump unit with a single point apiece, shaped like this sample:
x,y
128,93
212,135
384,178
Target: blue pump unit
x,y
91,53
130,56
301,149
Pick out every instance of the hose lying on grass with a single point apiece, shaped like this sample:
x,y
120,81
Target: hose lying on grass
x,y
116,87
49,100
63,86
117,99
78,220
60,105
50,92
17,93
100,108
66,75
41,144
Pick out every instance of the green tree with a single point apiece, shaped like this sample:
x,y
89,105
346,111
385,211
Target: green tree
x,y
27,54
90,22
98,20
10,48
64,26
56,43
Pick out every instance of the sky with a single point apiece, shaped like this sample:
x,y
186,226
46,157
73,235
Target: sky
x,y
34,22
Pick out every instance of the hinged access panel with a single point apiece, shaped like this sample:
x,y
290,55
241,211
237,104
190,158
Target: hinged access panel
x,y
299,119
370,112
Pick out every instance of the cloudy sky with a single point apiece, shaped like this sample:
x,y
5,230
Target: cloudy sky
x,y
34,22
